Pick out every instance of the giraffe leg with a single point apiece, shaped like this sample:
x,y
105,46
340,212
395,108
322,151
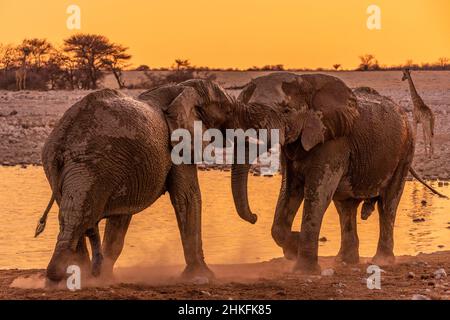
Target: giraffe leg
x,y
428,132
425,139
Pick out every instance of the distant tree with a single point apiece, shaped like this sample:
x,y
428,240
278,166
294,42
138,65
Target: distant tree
x,y
143,67
409,63
39,51
8,57
94,54
443,62
182,64
336,66
368,62
116,61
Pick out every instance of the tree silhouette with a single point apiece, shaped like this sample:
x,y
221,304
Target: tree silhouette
x,y
336,66
95,53
39,51
116,61
368,62
443,61
180,64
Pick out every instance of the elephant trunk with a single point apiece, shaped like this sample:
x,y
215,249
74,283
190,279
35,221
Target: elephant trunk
x,y
239,184
239,180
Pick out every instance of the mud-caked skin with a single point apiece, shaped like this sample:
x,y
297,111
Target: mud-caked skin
x,y
340,146
109,157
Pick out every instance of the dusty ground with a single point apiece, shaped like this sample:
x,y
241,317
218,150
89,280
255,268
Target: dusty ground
x,y
27,117
410,276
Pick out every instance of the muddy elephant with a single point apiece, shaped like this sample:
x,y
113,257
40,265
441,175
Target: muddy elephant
x,y
110,157
341,146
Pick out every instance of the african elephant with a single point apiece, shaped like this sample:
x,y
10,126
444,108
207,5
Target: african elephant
x,y
109,157
339,145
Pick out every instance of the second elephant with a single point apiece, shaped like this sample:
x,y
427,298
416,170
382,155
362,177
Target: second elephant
x,y
341,146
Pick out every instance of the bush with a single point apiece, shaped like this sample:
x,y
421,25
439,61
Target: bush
x,y
7,80
156,79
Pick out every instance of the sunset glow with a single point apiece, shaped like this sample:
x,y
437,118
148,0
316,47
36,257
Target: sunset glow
x,y
242,34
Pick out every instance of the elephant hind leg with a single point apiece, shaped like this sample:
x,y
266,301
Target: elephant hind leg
x,y
387,208
349,251
78,209
97,257
185,196
113,241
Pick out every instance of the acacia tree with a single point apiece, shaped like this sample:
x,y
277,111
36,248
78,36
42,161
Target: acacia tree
x,y
39,51
336,66
93,54
443,62
180,64
8,57
116,61
368,62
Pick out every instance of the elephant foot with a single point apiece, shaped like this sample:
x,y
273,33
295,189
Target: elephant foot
x,y
51,284
106,269
348,257
96,269
307,267
198,271
290,248
383,259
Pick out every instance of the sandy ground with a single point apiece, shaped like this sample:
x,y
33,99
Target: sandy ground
x,y
410,278
27,117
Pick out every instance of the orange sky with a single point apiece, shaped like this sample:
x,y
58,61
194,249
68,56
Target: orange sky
x,y
243,33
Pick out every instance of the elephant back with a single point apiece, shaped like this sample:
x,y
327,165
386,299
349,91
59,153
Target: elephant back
x,y
107,133
381,138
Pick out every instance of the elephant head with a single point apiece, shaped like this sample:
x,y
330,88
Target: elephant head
x,y
311,109
205,101
317,107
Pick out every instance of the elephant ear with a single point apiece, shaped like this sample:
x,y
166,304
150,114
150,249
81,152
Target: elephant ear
x,y
247,92
325,109
338,106
181,112
313,131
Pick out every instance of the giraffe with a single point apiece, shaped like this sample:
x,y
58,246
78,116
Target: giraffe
x,y
21,76
421,114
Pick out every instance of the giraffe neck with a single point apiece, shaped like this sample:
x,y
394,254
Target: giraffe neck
x,y
417,100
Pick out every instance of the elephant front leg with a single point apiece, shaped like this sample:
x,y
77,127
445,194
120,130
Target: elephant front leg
x,y
186,199
289,200
113,240
349,251
319,190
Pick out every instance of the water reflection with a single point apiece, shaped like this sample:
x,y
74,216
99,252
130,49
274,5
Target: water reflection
x,y
153,235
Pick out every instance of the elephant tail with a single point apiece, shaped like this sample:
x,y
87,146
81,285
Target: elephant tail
x,y
43,220
415,175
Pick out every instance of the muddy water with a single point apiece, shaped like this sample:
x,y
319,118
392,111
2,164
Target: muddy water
x,y
153,236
